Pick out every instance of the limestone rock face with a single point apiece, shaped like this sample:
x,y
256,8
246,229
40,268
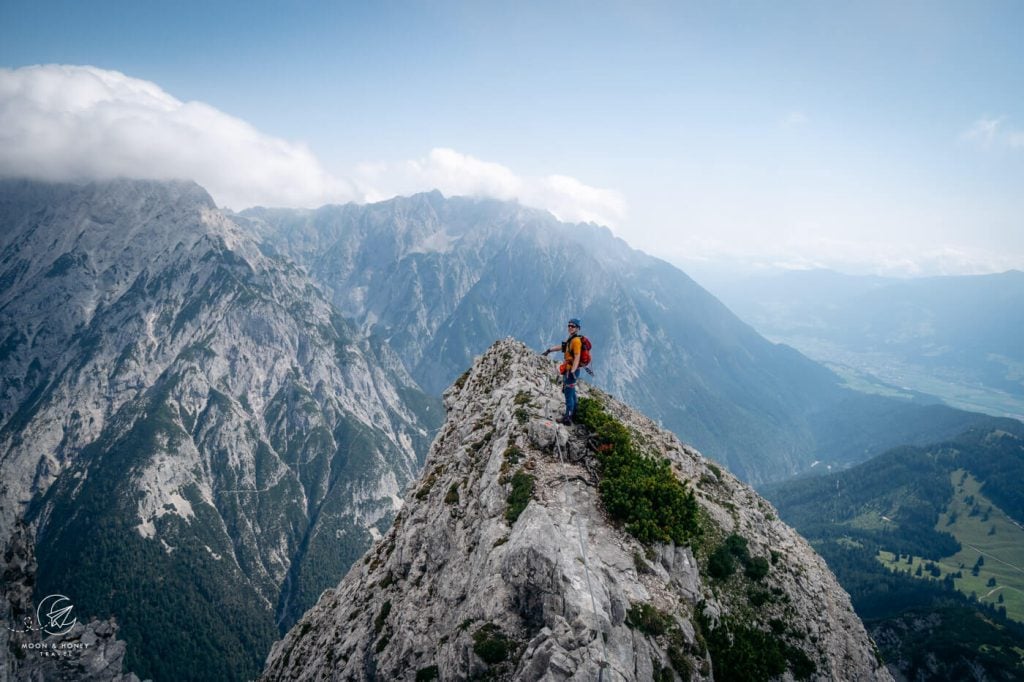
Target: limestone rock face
x,y
462,588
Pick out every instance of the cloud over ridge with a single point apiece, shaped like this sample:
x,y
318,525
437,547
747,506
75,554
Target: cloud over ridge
x,y
82,123
455,173
69,123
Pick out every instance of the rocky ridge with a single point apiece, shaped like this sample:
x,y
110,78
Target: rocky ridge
x,y
468,583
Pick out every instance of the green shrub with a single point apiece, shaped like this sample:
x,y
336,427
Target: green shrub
x,y
757,568
800,663
662,673
519,497
642,567
648,620
737,546
758,598
741,653
677,654
512,455
722,563
491,645
429,482
638,490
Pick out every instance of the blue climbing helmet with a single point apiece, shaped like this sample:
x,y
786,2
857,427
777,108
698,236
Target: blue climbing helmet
x,y
574,321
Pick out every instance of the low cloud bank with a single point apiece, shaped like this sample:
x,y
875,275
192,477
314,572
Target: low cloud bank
x,y
70,123
82,123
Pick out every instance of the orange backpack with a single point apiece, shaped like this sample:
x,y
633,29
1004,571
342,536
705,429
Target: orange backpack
x,y
585,347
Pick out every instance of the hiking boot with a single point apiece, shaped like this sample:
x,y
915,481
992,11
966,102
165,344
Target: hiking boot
x,y
567,420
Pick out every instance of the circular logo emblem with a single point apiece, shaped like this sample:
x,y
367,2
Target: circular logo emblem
x,y
55,616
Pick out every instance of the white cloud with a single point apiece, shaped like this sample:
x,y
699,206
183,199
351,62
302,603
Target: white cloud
x,y
455,173
83,123
983,131
989,132
79,122
571,200
444,169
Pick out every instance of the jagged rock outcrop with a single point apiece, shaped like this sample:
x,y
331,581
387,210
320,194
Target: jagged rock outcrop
x,y
469,583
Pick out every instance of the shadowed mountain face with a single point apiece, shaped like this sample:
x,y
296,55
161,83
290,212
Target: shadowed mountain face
x,y
440,278
506,564
200,441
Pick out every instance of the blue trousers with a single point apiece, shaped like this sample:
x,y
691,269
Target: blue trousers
x,y
569,389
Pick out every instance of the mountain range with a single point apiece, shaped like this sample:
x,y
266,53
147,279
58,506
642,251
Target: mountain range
x,y
440,278
207,417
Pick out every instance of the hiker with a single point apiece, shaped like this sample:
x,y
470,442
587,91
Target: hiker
x,y
569,369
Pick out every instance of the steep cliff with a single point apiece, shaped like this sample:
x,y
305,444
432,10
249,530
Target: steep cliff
x,y
518,556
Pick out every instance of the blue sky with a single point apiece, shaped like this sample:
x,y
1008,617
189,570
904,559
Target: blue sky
x,y
884,137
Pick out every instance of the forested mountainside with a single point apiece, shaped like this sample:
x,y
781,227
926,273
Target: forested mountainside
x,y
929,543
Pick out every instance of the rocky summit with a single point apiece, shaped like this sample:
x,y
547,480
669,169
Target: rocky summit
x,y
524,552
